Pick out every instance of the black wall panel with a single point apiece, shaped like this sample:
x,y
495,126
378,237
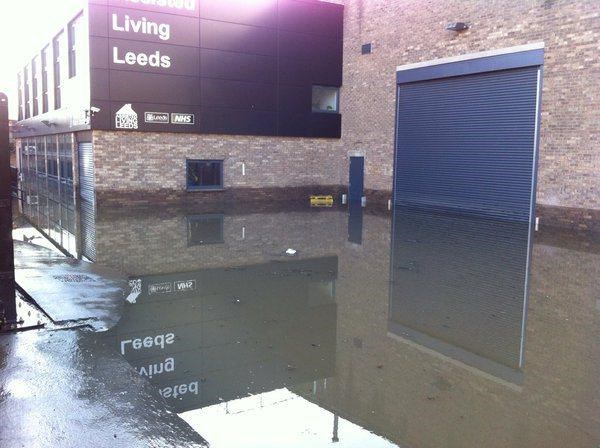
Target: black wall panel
x,y
304,17
134,87
238,38
257,13
230,121
237,66
237,94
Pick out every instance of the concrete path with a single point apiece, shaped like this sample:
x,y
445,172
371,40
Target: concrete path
x,y
66,388
68,289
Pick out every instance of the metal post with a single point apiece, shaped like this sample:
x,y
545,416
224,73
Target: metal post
x,y
335,438
8,310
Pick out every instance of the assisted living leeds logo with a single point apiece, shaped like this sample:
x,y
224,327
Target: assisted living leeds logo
x,y
126,118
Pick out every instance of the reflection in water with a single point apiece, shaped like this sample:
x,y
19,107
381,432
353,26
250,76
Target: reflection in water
x,y
416,343
216,335
205,229
355,222
459,287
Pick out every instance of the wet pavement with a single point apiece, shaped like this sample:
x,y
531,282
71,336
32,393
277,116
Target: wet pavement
x,y
69,290
67,389
377,330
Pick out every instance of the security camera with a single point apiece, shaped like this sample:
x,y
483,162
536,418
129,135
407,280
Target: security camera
x,y
95,110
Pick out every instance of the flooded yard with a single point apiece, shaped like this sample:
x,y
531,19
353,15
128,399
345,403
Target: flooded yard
x,y
300,327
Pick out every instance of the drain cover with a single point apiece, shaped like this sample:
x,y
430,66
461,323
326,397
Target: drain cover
x,y
73,278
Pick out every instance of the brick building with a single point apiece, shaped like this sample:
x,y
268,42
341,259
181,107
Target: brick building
x,y
483,106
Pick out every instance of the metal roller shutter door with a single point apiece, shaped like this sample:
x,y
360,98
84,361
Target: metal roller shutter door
x,y
467,143
88,200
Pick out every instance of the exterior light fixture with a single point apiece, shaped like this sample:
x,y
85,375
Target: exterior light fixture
x,y
457,26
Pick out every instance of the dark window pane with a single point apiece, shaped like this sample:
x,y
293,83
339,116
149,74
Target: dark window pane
x,y
204,174
205,229
325,99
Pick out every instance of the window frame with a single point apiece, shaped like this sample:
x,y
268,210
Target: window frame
x,y
20,95
202,187
56,68
44,69
337,99
26,93
72,45
35,91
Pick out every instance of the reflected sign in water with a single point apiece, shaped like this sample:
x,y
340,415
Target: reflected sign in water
x,y
215,335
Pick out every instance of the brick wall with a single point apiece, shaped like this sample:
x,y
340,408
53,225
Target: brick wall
x,y
150,162
408,31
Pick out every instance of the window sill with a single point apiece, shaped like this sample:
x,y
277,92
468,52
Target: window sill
x,y
200,189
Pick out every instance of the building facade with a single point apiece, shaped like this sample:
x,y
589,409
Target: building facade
x,y
212,100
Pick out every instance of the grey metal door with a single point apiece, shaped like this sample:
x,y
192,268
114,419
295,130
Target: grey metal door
x,y
467,143
87,200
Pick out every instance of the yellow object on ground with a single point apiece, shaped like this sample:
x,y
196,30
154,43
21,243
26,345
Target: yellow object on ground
x,y
321,201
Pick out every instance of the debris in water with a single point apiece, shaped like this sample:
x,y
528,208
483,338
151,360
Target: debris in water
x,y
291,252
236,300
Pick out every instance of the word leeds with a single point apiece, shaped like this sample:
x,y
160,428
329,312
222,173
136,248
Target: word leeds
x,y
142,59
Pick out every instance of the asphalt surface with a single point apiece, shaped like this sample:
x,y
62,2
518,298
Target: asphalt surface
x,y
65,388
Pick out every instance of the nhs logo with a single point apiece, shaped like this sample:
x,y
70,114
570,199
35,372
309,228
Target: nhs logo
x,y
185,285
179,118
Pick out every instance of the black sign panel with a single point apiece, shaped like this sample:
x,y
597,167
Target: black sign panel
x,y
214,66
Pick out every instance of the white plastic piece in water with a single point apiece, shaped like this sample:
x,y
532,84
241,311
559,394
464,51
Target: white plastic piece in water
x,y
291,251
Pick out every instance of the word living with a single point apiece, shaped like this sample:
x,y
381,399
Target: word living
x,y
142,59
141,26
168,365
160,340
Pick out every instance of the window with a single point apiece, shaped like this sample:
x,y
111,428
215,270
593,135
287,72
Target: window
x,y
72,43
204,174
34,87
56,73
45,80
205,229
27,111
325,99
20,95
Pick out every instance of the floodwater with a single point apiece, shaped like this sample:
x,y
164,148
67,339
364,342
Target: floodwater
x,y
425,330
